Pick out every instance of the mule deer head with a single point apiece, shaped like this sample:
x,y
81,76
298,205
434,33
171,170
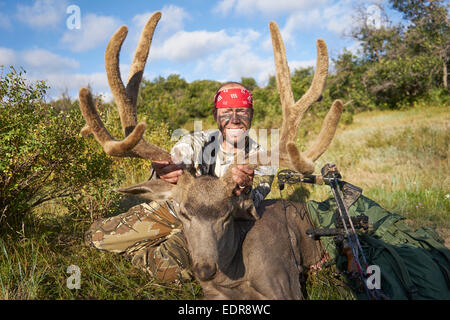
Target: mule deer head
x,y
206,205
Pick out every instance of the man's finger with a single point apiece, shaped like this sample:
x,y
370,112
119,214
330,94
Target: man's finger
x,y
237,179
171,180
159,164
246,169
172,177
241,173
172,174
242,180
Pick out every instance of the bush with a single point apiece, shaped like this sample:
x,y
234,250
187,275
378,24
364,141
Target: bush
x,y
42,155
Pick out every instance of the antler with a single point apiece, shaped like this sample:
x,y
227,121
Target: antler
x,y
293,112
133,145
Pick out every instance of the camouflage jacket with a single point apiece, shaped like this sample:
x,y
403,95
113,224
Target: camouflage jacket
x,y
201,153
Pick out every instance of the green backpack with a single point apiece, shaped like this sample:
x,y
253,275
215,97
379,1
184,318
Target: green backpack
x,y
413,264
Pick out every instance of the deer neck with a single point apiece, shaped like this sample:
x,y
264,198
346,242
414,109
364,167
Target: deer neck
x,y
232,266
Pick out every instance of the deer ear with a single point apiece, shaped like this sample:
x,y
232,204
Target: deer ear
x,y
152,190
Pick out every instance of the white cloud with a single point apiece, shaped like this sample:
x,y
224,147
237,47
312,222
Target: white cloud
x,y
43,13
95,31
185,46
37,60
56,70
240,61
237,59
267,7
224,7
301,64
172,19
234,64
140,20
72,82
229,55
301,21
335,19
7,57
302,14
338,18
48,61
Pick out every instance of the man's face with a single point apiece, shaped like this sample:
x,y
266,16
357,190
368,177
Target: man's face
x,y
233,122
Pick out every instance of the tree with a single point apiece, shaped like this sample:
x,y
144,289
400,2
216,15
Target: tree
x,y
400,63
429,30
249,83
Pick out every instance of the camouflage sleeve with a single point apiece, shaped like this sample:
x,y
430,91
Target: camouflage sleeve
x,y
186,151
262,184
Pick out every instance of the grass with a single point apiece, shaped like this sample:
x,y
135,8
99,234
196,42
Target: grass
x,y
399,158
36,268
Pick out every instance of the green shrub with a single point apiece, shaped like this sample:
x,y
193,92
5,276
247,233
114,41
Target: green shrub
x,y
42,155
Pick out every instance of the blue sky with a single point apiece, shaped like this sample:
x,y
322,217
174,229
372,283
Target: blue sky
x,y
198,39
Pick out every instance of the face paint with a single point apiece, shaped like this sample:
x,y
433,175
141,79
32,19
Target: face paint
x,y
234,123
235,116
224,120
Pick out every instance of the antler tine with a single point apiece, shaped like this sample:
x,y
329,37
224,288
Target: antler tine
x,y
101,134
134,144
327,132
127,112
283,75
318,84
140,57
293,112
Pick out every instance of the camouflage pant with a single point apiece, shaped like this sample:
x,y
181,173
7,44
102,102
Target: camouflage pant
x,y
150,236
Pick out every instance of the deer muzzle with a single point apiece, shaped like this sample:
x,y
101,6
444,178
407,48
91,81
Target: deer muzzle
x,y
205,271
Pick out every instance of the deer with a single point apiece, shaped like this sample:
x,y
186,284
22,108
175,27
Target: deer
x,y
237,251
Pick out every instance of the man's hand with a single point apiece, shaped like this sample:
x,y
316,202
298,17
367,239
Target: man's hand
x,y
167,170
243,176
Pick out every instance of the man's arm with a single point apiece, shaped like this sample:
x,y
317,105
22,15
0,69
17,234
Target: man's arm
x,y
183,154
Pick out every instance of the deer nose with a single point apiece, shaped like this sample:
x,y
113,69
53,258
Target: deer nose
x,y
205,271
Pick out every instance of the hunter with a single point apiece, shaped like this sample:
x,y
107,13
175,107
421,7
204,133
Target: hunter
x,y
150,233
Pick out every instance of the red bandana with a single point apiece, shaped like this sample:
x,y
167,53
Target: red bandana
x,y
233,98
